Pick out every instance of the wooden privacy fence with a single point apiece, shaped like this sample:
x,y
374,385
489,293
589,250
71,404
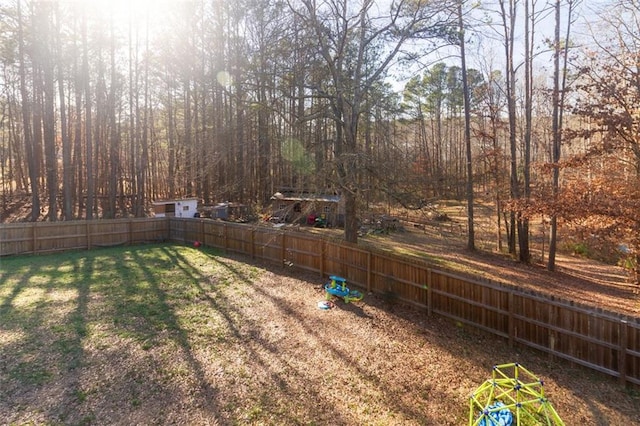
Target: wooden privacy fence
x,y
603,341
44,237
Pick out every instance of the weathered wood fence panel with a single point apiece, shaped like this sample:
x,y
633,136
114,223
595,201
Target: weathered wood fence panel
x,y
346,261
45,237
603,341
144,230
401,280
472,303
50,237
268,245
16,238
213,236
631,354
303,251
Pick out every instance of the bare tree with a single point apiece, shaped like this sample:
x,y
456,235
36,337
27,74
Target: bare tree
x,y
559,91
467,131
89,160
32,158
345,36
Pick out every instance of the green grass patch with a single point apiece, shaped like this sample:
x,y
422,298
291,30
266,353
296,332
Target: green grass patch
x,y
121,325
53,308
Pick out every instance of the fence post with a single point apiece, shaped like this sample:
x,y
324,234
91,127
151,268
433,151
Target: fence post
x,y
483,313
323,245
33,237
511,324
226,237
253,243
429,292
551,332
622,353
88,228
369,272
283,250
184,230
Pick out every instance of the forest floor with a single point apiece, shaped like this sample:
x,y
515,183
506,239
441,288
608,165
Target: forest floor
x,y
576,278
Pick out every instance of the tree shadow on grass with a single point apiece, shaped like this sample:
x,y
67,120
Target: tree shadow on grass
x,y
317,398
247,333
52,333
147,312
473,348
154,315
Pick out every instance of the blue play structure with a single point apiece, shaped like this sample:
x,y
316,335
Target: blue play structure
x,y
337,286
496,414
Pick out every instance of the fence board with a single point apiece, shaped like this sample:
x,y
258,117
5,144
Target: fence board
x,y
268,246
348,262
303,252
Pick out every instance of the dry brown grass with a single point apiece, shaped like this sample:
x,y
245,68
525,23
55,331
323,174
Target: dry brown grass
x,y
173,335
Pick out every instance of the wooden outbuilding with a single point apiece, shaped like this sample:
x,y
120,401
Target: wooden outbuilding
x,y
186,207
307,208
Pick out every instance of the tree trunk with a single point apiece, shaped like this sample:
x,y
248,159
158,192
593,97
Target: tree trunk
x,y
114,142
67,172
49,122
555,126
32,162
467,133
558,107
188,148
77,142
508,22
171,172
141,170
523,222
86,78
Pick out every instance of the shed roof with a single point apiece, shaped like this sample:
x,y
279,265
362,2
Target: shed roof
x,y
329,198
178,200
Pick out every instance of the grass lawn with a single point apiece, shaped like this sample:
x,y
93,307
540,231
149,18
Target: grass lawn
x,y
170,334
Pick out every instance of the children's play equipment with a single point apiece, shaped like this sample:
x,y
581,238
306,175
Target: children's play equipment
x,y
337,286
325,305
513,396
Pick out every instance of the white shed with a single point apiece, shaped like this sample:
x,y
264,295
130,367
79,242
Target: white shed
x,y
187,207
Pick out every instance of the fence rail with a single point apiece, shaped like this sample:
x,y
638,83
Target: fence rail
x,y
603,341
